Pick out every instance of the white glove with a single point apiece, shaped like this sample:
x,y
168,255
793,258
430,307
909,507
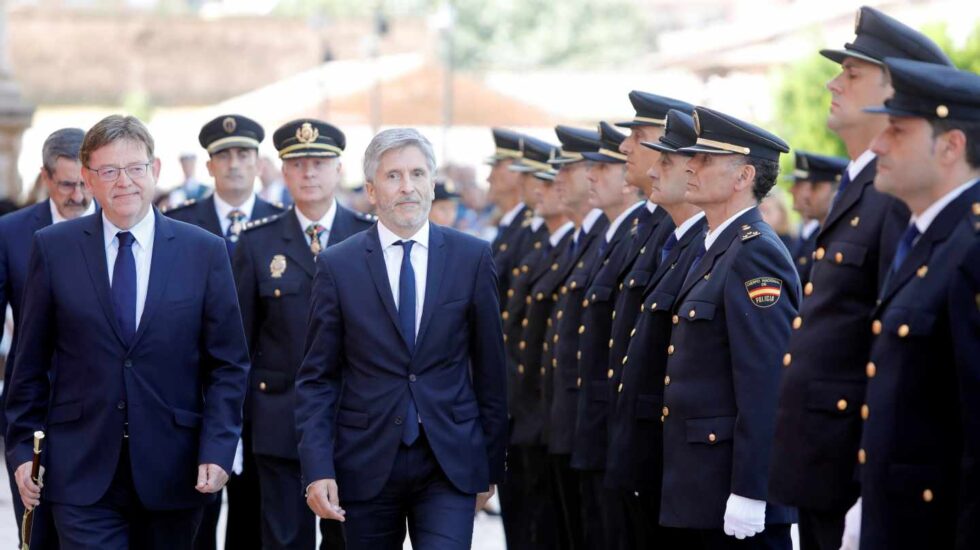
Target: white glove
x,y
238,463
852,528
744,517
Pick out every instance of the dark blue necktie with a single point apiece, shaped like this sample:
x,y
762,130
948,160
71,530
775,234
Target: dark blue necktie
x,y
668,246
845,180
237,218
406,317
905,246
124,286
697,260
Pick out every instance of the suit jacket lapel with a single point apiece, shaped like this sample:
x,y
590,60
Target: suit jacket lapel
x,y
690,237
160,267
851,195
433,278
294,242
93,249
379,274
42,215
718,248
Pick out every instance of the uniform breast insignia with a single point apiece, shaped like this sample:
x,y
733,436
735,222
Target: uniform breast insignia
x,y
278,266
749,232
764,291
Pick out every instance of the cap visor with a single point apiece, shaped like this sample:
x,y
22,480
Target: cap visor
x,y
599,157
883,110
704,149
628,124
520,168
656,146
838,56
546,176
565,160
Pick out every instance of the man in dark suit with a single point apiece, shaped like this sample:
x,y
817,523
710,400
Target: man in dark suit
x,y
818,427
132,464
634,464
619,201
232,141
919,477
733,317
274,268
401,398
61,174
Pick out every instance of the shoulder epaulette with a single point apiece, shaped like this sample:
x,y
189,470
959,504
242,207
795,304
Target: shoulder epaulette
x,y
262,221
185,204
370,218
747,232
975,216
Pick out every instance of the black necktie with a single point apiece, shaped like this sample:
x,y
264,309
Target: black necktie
x,y
406,317
668,246
124,286
844,182
697,260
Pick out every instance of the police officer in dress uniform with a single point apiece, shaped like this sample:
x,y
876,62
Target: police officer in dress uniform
x,y
618,201
506,193
633,464
232,142
920,443
561,390
274,268
540,282
734,313
815,181
818,426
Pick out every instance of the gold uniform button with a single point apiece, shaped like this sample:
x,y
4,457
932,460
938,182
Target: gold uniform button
x,y
653,306
620,286
585,303
633,333
555,339
522,345
540,296
865,412
573,285
808,289
798,322
976,209
870,369
614,315
691,314
609,373
787,359
667,380
554,266
643,250
921,272
620,388
524,268
610,343
578,355
537,245
876,327
903,331
632,282
581,329
545,346
516,272
520,369
862,456
559,315
665,411
505,315
263,386
564,290
503,247
670,349
527,300
278,293
842,405
625,359
510,293
855,221
927,495
819,253
593,296
712,438
542,371
578,382
675,319
524,323
839,257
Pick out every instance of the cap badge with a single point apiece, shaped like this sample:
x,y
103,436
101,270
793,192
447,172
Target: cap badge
x,y
697,124
307,133
278,266
229,124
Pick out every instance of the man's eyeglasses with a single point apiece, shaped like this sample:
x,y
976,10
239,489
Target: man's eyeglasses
x,y
68,187
109,174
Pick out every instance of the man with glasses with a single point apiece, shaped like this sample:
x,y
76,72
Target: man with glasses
x,y
67,199
143,420
232,141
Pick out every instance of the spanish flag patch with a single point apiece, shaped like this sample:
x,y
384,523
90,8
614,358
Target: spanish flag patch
x,y
764,291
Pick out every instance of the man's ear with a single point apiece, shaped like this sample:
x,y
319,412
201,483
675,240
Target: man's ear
x,y
746,176
156,168
369,188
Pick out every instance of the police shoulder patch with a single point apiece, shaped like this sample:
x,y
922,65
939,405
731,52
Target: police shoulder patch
x,y
764,291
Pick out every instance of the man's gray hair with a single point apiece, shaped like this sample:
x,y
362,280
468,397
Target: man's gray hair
x,y
65,142
392,139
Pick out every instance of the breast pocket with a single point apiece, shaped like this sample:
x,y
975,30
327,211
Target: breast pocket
x,y
659,302
637,279
274,289
694,310
907,322
598,294
710,431
846,254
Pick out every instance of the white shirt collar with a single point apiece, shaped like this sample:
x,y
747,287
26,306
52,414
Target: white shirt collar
x,y
651,206
809,228
536,223
560,233
326,221
688,223
611,230
142,232
508,218
713,234
223,208
388,237
855,166
56,216
588,222
924,220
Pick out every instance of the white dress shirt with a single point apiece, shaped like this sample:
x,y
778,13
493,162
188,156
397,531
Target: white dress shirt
x,y
809,228
713,234
687,224
652,207
508,218
587,223
393,254
855,166
223,209
56,216
924,220
326,221
143,233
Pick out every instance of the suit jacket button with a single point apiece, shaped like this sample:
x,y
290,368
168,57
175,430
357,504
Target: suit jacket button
x,y
412,378
398,421
263,386
127,363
